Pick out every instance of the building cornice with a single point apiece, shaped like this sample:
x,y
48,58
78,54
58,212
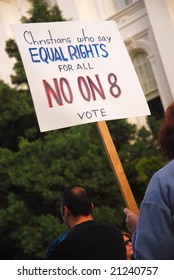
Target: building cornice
x,y
130,14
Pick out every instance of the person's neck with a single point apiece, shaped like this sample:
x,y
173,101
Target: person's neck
x,y
80,219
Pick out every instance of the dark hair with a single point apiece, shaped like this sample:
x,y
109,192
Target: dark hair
x,y
78,200
166,133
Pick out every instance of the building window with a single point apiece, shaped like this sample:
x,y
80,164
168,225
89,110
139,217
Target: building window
x,y
156,108
122,3
145,75
148,83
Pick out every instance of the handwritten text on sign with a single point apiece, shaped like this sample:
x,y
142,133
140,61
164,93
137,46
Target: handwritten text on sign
x,y
78,73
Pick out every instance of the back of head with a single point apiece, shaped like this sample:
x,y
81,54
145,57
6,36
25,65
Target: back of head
x,y
166,133
78,200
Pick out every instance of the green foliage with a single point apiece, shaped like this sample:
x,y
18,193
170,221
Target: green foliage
x,y
154,125
147,166
41,12
17,118
109,215
32,240
36,167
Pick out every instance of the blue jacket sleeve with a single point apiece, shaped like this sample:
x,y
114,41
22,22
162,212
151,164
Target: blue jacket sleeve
x,y
154,236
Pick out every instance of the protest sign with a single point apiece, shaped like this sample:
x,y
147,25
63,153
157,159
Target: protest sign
x,y
78,72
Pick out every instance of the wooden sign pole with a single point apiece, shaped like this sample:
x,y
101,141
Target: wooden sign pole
x,y
117,167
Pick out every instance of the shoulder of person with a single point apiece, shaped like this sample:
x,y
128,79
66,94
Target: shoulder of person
x,y
55,243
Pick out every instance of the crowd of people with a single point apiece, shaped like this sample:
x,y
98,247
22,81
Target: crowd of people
x,y
93,240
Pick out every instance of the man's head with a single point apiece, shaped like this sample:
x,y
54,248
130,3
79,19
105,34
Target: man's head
x,y
76,205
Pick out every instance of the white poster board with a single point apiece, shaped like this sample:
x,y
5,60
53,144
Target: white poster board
x,y
78,72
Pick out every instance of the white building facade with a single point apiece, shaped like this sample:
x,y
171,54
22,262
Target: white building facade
x,y
147,29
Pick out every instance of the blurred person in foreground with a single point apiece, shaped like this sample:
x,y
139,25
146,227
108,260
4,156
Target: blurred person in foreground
x,y
153,229
86,238
128,245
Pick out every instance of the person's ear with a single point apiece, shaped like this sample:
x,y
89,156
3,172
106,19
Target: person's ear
x,y
65,211
92,205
